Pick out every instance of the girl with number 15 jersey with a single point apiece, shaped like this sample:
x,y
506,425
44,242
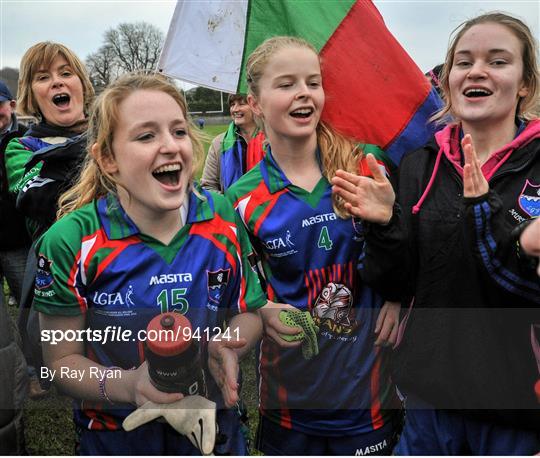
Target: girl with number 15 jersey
x,y
136,238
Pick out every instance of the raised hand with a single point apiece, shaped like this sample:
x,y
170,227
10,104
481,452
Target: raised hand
x,y
371,199
474,182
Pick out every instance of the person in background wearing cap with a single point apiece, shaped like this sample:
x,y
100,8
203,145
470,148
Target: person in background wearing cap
x,y
234,152
14,244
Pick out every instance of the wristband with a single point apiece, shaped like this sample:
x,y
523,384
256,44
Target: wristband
x,y
102,380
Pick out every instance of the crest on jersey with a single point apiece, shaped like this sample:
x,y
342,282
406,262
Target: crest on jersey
x,y
529,199
333,309
217,282
44,277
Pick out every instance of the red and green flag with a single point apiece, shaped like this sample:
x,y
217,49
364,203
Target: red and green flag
x,y
374,91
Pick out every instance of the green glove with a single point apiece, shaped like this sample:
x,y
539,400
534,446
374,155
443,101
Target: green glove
x,y
299,319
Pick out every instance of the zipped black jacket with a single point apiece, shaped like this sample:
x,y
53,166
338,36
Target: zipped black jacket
x,y
467,341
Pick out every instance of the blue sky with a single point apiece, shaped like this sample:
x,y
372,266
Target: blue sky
x,y
422,27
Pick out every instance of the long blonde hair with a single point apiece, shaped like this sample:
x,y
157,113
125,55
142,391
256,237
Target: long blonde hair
x,y
94,181
337,151
528,106
39,56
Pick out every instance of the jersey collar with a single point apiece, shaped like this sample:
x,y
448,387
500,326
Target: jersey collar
x,y
273,176
118,225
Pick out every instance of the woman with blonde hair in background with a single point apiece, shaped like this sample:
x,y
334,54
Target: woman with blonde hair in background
x,y
54,88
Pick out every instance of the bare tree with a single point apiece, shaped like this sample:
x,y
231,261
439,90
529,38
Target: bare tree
x,y
128,47
102,67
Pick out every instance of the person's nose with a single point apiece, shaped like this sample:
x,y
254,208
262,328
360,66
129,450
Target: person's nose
x,y
303,91
477,71
169,144
57,80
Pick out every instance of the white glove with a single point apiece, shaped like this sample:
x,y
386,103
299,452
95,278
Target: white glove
x,y
192,416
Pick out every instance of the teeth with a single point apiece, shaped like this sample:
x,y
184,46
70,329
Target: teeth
x,y
60,96
302,111
168,168
477,92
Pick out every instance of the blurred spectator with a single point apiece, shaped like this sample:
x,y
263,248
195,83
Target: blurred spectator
x,y
13,380
234,152
434,76
54,87
14,241
14,245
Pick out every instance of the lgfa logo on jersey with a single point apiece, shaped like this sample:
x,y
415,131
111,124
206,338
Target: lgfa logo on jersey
x,y
276,245
44,277
217,281
115,298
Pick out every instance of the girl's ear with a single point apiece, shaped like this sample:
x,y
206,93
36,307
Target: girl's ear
x,y
524,91
254,105
105,162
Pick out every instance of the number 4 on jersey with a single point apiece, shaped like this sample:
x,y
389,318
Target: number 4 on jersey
x,y
324,239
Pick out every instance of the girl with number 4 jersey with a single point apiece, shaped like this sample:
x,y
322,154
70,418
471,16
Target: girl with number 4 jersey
x,y
341,401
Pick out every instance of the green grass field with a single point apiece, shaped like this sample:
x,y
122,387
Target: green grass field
x,y
208,134
49,428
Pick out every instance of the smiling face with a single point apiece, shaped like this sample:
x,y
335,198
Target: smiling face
x,y
486,77
290,97
153,155
58,92
241,114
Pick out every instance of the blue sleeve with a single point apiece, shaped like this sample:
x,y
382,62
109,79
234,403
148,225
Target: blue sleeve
x,y
496,245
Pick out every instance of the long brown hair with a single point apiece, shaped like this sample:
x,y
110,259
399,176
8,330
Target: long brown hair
x,y
94,181
337,151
